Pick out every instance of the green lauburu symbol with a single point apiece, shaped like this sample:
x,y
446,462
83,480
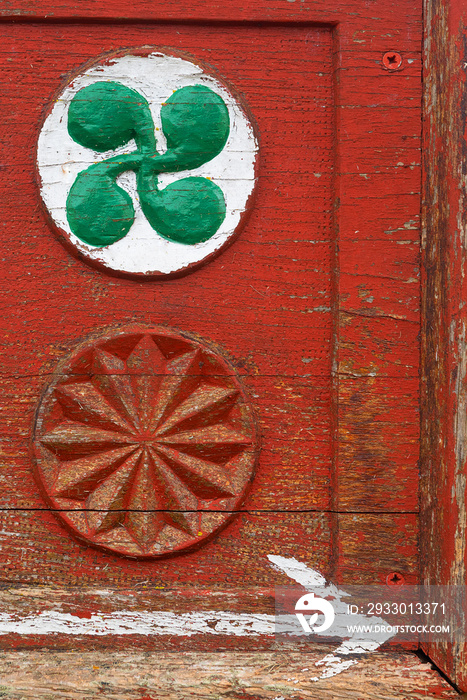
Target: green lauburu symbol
x,y
106,115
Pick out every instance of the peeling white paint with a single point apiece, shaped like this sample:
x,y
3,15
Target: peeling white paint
x,y
154,623
211,622
358,643
142,250
333,665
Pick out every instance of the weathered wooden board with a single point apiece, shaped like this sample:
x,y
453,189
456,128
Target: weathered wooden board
x,y
388,22
284,442
443,463
379,433
235,675
376,322
37,550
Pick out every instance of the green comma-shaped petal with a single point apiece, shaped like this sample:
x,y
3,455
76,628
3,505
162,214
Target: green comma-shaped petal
x,y
188,211
99,211
106,115
196,124
195,121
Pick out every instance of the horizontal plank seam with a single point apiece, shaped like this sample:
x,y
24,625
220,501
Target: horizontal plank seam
x,y
211,510
21,18
323,377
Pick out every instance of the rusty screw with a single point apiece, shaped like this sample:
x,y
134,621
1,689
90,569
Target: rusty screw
x,y
395,579
392,60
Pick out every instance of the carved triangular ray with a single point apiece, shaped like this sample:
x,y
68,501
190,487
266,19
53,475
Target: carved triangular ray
x,y
205,479
205,405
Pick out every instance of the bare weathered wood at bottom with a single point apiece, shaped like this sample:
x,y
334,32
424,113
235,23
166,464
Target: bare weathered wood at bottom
x,y
233,675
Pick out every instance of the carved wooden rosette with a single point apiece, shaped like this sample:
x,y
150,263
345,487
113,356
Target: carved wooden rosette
x,y
145,442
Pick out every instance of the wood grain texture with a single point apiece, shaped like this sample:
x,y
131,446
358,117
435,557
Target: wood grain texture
x,y
376,306
387,17
372,546
443,464
37,550
378,444
234,675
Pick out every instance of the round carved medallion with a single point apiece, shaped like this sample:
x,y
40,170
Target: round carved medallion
x,y
145,442
146,164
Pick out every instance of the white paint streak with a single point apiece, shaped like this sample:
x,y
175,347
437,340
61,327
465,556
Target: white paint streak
x,y
334,665
154,623
357,643
298,571
142,250
212,622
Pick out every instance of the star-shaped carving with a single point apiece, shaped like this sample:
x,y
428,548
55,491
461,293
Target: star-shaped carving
x,y
145,442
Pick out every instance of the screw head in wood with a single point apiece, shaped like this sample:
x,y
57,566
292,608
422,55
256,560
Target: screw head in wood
x,y
392,60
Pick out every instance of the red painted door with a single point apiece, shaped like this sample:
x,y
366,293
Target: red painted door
x,y
183,399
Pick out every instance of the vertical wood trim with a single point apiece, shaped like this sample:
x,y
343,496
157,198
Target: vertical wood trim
x,y
444,338
335,305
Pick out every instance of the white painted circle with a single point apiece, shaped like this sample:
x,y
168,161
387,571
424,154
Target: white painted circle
x,y
143,251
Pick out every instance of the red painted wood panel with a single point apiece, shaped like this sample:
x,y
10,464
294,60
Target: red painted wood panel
x,y
265,301
391,22
376,356
316,303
